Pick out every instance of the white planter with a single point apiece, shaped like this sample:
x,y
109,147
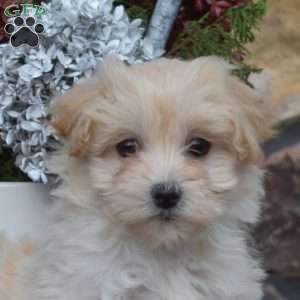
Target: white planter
x,y
23,208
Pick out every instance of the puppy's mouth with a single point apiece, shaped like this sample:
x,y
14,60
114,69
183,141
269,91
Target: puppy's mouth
x,y
166,216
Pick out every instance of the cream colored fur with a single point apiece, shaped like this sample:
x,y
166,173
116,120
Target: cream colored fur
x,y
107,241
13,257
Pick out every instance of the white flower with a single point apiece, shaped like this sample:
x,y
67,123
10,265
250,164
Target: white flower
x,y
78,34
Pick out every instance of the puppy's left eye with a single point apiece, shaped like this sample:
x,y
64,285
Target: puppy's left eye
x,y
127,147
198,147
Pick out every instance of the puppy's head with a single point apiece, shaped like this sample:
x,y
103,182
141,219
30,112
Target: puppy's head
x,y
164,144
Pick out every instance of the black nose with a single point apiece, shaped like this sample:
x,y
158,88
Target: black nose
x,y
166,195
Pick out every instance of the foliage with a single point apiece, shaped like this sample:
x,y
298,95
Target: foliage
x,y
137,9
225,35
246,19
205,27
198,40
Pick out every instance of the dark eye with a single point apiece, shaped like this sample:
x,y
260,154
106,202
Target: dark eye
x,y
127,147
198,147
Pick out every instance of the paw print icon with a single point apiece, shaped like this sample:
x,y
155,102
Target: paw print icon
x,y
24,31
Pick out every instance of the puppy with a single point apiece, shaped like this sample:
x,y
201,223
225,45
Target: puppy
x,y
159,173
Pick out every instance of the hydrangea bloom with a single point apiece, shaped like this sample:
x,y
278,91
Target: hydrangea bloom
x,y
78,34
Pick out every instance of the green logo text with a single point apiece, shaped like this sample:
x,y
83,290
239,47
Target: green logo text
x,y
23,10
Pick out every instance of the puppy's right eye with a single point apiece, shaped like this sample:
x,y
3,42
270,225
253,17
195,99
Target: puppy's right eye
x,y
128,147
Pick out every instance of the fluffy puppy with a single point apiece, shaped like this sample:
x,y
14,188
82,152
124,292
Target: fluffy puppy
x,y
159,172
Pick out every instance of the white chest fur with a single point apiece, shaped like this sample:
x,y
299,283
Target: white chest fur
x,y
85,263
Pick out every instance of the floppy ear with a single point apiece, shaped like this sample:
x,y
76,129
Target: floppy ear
x,y
252,109
71,119
72,112
255,117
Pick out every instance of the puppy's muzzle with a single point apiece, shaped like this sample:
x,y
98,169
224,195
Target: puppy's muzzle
x,y
166,195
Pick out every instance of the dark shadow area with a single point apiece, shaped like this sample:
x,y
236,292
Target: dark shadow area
x,y
278,287
277,236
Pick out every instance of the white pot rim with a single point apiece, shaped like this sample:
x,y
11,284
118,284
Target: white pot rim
x,y
23,209
11,183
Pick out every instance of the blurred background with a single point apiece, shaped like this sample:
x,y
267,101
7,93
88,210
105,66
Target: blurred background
x,y
277,47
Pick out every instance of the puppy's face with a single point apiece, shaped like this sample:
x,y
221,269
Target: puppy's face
x,y
164,143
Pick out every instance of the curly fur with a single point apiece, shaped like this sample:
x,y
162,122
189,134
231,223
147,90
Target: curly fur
x,y
107,241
